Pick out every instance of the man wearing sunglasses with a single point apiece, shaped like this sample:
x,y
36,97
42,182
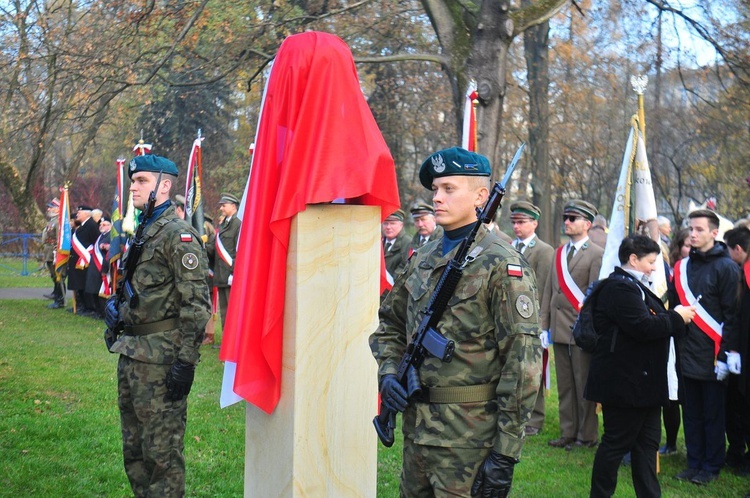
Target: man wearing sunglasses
x,y
575,265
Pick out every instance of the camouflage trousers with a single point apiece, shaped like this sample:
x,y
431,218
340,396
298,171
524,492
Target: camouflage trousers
x,y
153,430
435,471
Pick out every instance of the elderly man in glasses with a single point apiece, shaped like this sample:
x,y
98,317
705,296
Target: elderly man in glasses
x,y
574,266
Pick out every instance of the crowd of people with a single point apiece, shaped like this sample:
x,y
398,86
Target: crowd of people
x,y
89,273
676,357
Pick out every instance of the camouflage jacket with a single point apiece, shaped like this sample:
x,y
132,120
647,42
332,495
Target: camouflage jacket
x,y
493,319
49,240
170,281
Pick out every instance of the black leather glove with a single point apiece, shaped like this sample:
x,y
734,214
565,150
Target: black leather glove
x,y
494,477
180,380
111,313
392,393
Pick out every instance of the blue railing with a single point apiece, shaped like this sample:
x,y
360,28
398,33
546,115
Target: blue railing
x,y
16,245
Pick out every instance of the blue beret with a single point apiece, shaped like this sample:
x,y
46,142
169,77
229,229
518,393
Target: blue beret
x,y
453,162
152,163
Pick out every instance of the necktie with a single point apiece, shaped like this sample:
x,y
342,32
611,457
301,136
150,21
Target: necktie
x,y
520,246
388,246
422,241
571,252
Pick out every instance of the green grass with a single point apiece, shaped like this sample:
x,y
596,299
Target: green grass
x,y
59,422
10,274
59,425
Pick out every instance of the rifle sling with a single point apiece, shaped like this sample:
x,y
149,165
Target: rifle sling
x,y
458,394
150,328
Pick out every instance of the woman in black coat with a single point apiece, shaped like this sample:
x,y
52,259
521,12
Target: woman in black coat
x,y
628,373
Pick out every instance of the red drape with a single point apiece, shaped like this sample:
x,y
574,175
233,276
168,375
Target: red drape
x,y
317,141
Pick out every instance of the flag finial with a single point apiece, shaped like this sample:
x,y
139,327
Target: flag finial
x,y
639,83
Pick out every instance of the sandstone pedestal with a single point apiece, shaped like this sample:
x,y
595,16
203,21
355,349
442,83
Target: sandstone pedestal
x,y
320,442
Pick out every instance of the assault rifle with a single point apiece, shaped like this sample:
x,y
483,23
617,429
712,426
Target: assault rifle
x,y
126,290
427,341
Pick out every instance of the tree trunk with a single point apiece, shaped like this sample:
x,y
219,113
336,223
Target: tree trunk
x,y
489,53
536,51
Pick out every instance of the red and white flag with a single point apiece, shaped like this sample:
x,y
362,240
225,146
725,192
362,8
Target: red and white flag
x,y
469,135
317,142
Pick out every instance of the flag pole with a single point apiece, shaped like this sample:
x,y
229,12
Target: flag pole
x,y
639,84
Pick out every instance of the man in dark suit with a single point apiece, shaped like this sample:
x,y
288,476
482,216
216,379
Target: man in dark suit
x,y
82,245
226,250
628,372
578,263
524,216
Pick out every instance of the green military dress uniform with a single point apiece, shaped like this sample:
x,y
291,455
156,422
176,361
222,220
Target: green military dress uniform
x,y
229,234
167,324
493,319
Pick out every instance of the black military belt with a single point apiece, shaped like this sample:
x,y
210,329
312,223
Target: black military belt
x,y
458,394
150,328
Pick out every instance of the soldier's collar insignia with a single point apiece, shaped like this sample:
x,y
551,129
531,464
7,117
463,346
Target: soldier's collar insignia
x,y
532,243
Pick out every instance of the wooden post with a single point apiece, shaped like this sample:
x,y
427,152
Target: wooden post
x,y
320,441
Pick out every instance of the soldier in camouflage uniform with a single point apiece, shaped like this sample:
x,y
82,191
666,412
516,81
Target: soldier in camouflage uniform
x,y
49,246
465,434
163,332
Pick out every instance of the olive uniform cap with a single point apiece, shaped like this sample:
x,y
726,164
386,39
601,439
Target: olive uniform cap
x,y
453,162
581,208
524,209
420,209
153,164
397,215
227,198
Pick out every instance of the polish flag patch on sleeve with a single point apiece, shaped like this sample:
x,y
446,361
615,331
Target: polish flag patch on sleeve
x,y
186,237
515,271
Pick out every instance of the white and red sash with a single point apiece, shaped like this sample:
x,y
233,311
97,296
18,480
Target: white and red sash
x,y
84,256
567,285
106,288
223,253
702,319
98,256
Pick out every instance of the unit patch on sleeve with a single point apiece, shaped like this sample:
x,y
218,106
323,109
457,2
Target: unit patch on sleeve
x,y
524,306
190,261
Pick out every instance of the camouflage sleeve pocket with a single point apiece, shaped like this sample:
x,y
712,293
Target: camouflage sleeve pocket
x,y
507,388
522,312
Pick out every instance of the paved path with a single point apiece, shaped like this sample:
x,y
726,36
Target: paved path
x,y
26,293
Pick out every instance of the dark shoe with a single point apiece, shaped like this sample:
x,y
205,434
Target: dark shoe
x,y
586,444
51,295
563,442
56,306
667,450
704,477
532,431
687,474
